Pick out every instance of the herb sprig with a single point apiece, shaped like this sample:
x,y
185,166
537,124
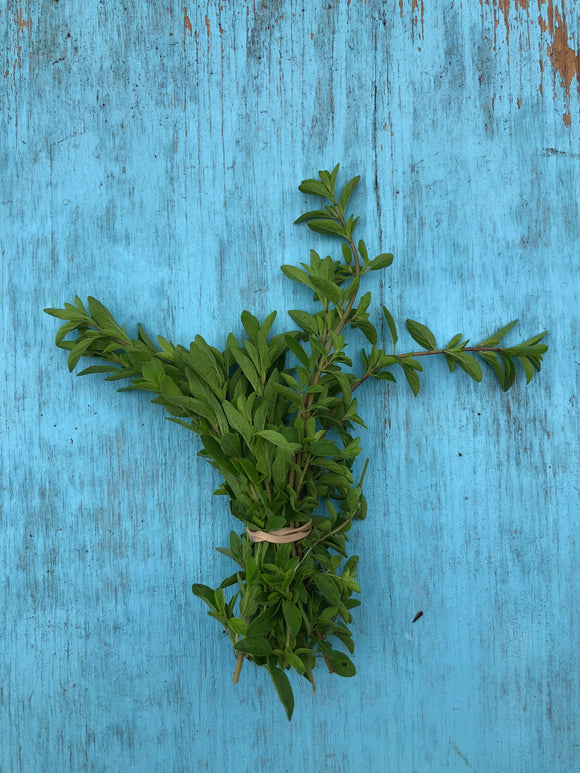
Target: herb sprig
x,y
276,416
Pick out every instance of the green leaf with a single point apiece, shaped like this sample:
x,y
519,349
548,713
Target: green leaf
x,y
412,380
333,176
196,407
63,331
510,372
283,688
80,306
277,439
77,351
252,570
329,289
534,340
60,313
347,192
238,625
296,275
206,594
251,326
314,188
368,329
262,623
256,646
341,663
362,248
304,320
142,335
492,360
384,375
421,334
495,339
327,587
346,253
391,324
169,388
383,260
315,214
101,314
324,448
231,444
293,617
327,227
220,599
238,422
98,369
153,370
345,385
295,662
469,364
297,349
528,368
246,365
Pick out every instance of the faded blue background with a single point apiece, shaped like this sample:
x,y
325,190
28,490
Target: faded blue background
x,y
151,155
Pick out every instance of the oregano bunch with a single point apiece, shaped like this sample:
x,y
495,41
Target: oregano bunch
x,y
276,416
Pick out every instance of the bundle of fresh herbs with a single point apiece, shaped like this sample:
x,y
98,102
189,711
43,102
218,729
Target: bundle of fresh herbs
x,y
275,415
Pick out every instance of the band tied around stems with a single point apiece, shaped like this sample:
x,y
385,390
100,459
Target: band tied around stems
x,y
281,536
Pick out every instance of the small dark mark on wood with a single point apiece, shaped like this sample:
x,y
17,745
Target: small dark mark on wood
x,y
417,616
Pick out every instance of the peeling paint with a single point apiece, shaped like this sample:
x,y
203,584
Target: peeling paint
x,y
14,55
23,24
504,7
552,21
565,61
417,14
186,23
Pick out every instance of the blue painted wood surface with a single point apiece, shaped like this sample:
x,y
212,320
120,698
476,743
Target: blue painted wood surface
x,y
151,156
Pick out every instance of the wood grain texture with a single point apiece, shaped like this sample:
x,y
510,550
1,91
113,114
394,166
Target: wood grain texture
x,y
151,156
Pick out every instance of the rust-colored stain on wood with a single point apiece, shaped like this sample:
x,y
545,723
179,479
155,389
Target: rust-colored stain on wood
x,y
186,22
565,61
23,23
552,19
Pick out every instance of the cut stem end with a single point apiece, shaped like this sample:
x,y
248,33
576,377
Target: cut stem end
x,y
239,664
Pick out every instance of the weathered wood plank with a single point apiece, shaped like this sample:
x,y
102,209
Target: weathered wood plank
x,y
151,159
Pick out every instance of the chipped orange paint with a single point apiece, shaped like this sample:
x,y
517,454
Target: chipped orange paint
x,y
207,26
567,119
552,21
186,23
414,17
22,23
565,61
504,6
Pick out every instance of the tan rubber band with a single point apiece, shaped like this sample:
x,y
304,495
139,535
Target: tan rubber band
x,y
281,536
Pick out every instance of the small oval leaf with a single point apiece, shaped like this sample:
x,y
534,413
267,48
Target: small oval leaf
x,y
421,334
